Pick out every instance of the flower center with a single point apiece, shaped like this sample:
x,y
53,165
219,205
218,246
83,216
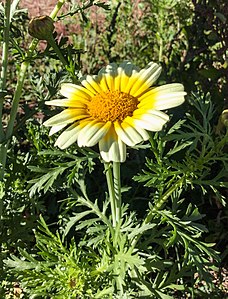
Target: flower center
x,y
112,106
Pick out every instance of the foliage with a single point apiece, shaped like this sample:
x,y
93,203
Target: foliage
x,y
155,257
196,138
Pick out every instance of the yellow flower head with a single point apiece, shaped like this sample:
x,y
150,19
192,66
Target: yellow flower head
x,y
115,108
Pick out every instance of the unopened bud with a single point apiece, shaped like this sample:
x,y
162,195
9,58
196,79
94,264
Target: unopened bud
x,y
224,118
41,27
223,122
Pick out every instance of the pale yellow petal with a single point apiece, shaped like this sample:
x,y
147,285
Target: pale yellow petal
x,y
68,103
153,121
125,71
128,134
128,70
110,73
117,80
112,148
145,78
70,91
91,84
92,133
66,117
68,137
56,129
130,79
163,97
101,78
129,121
164,89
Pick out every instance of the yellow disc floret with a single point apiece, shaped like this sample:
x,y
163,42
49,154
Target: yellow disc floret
x,y
112,106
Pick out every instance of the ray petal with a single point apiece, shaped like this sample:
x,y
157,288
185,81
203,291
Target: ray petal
x,y
112,148
163,97
56,129
124,73
153,121
91,83
101,78
110,73
92,133
66,117
141,112
165,101
129,120
70,90
127,133
117,81
146,77
69,136
127,69
68,103
167,88
131,72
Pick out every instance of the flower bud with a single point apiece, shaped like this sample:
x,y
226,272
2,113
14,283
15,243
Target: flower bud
x,y
41,27
224,118
222,122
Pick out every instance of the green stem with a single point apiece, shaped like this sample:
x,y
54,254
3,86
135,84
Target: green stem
x,y
5,53
163,199
55,47
117,189
160,54
16,98
111,191
84,6
18,91
160,49
56,9
3,157
154,147
158,205
3,147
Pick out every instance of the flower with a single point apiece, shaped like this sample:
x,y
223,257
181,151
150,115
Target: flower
x,y
115,108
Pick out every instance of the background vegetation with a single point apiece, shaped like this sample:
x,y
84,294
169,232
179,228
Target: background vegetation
x,y
190,40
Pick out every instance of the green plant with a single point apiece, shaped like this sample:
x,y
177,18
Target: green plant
x,y
168,237
155,255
